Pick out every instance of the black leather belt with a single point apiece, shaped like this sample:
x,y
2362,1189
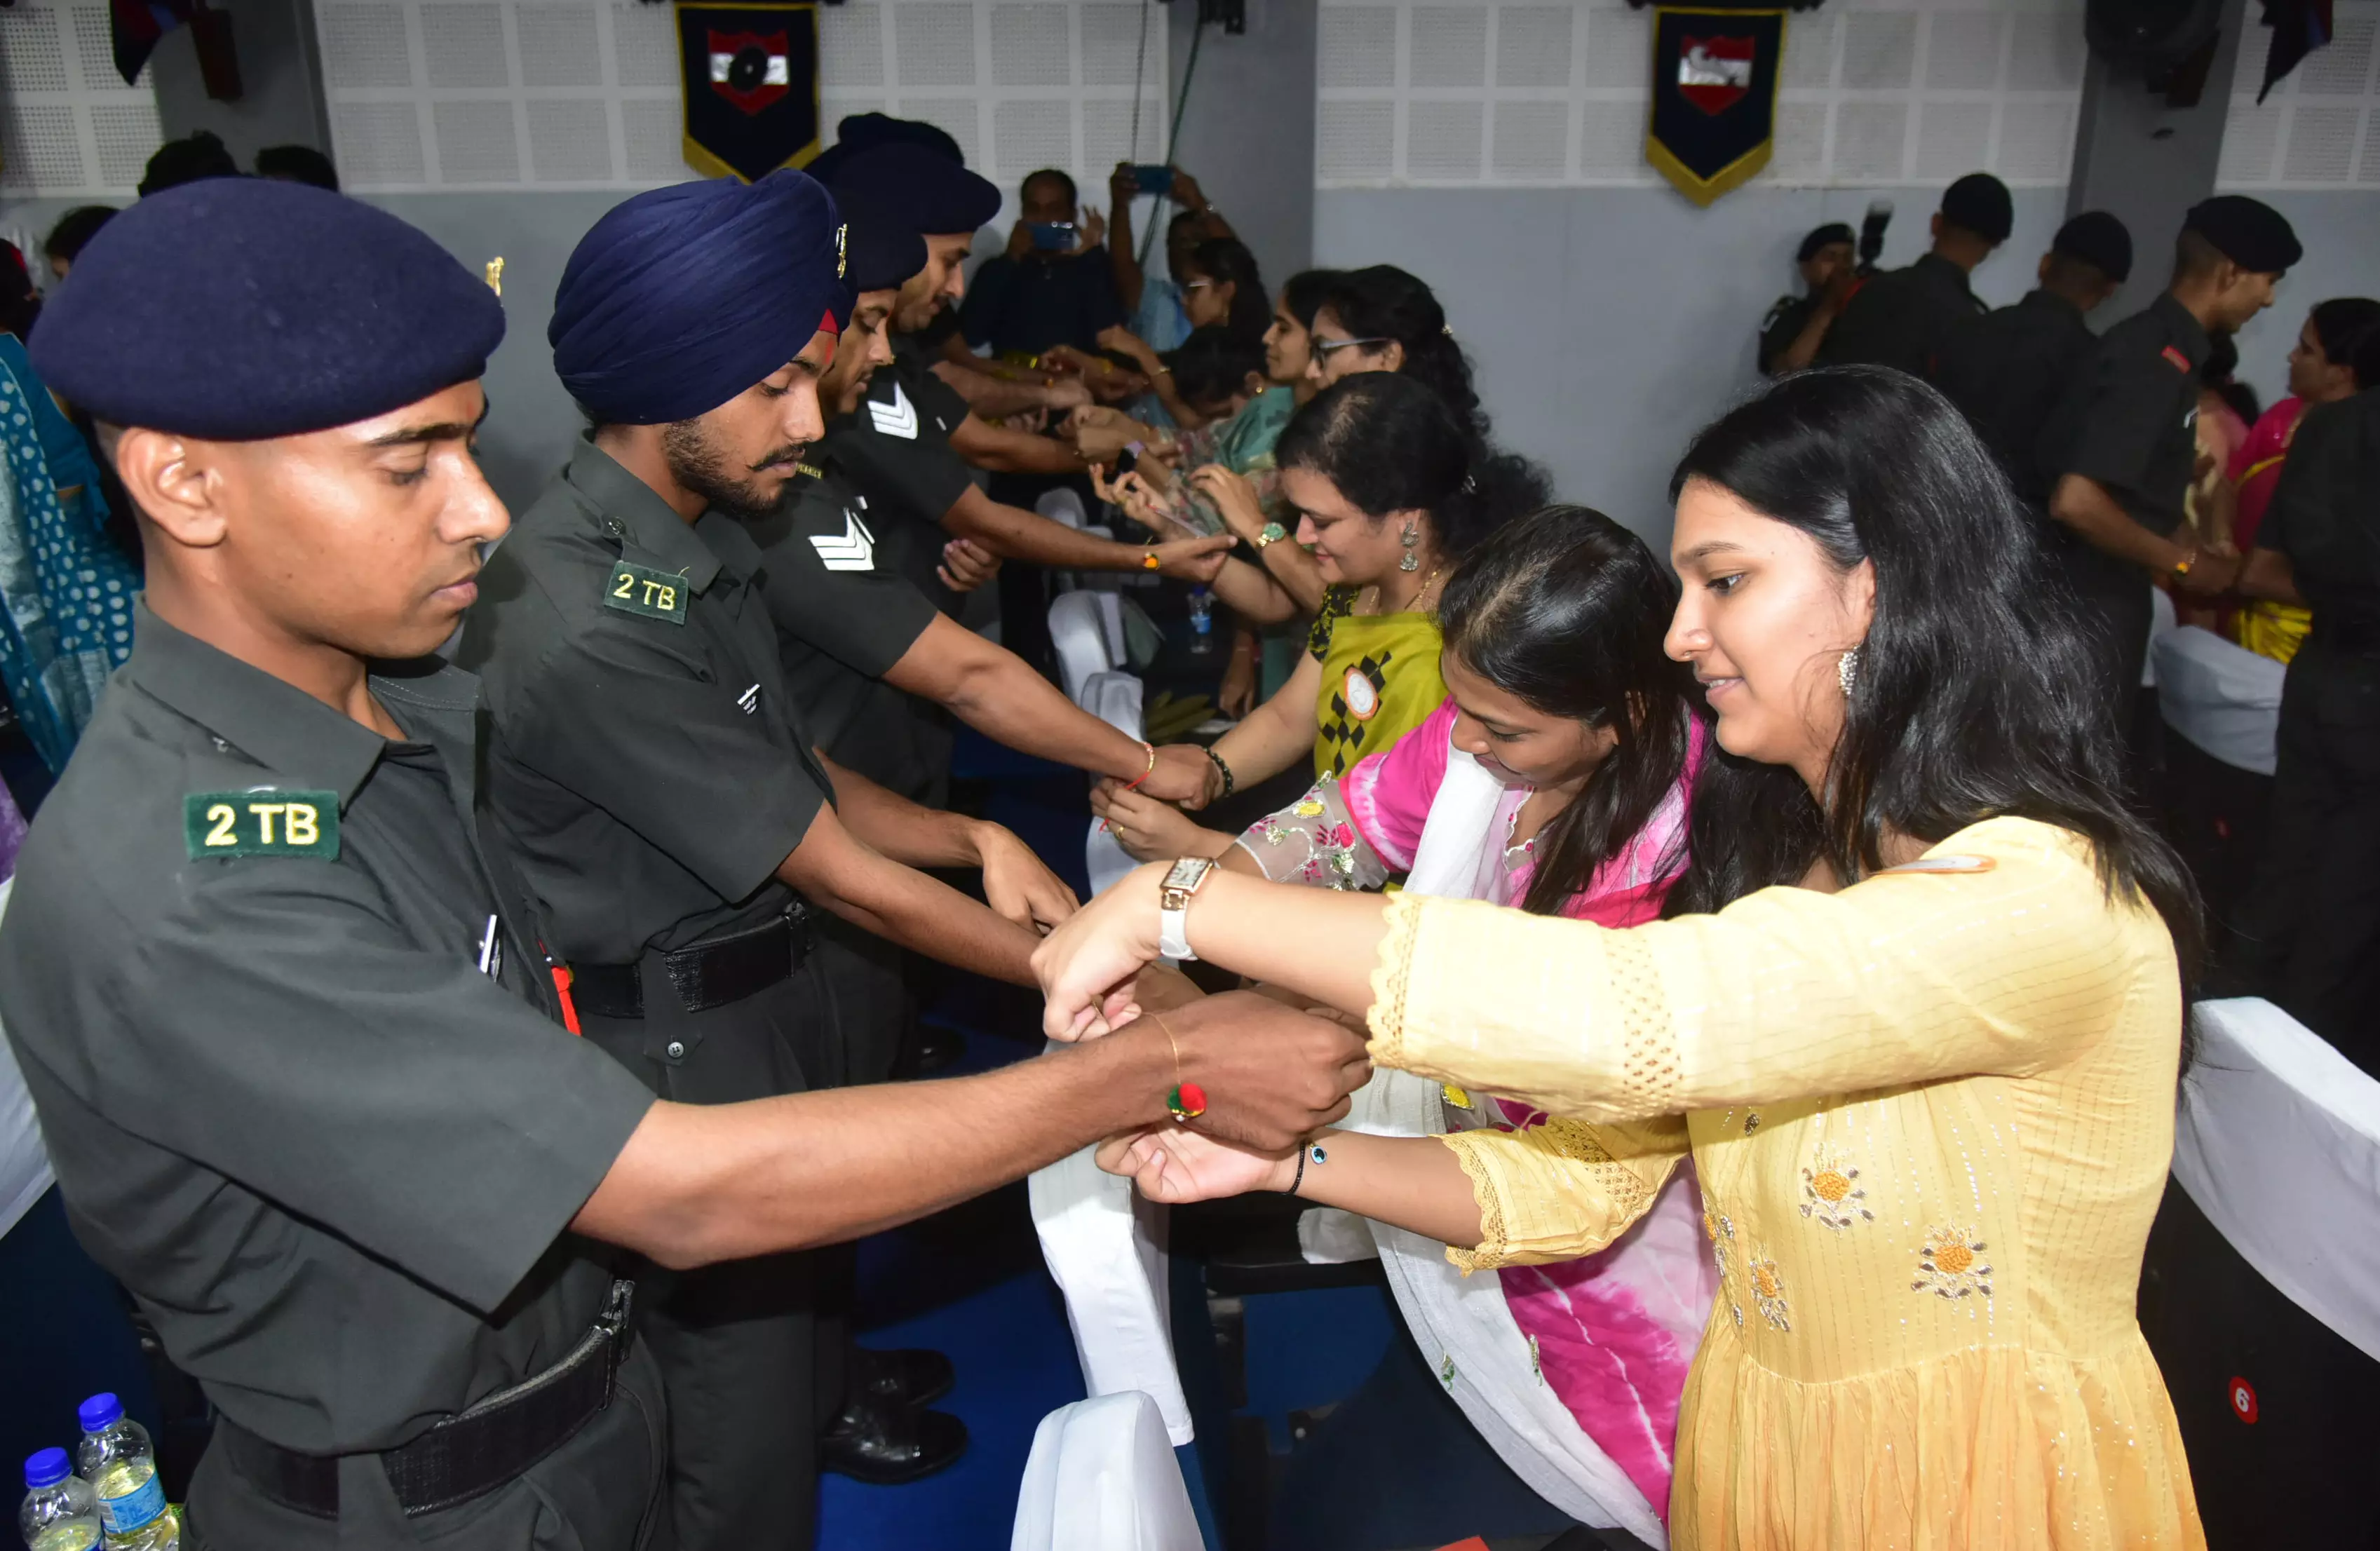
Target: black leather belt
x,y
706,975
465,1456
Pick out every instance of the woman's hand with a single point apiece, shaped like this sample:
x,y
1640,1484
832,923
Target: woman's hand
x,y
1234,497
1194,560
1238,694
1174,1164
1017,885
1124,341
1151,831
1087,967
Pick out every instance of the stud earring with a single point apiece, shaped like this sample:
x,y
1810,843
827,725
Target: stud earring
x,y
1411,539
1847,670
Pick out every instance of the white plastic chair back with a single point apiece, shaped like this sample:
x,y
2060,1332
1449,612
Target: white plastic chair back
x,y
2278,1143
1114,698
1111,607
24,1160
1101,1477
1064,505
2162,622
1079,638
2223,697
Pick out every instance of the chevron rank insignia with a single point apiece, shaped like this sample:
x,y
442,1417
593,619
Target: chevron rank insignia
x,y
852,549
896,418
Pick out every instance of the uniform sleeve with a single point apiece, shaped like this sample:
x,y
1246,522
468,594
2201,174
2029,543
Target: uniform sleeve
x,y
1779,329
1562,1189
920,477
2131,396
627,721
865,620
279,1029
1786,994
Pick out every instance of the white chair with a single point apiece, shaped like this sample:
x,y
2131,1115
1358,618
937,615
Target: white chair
x,y
1079,635
2278,1142
1114,698
2224,698
1063,505
1101,1477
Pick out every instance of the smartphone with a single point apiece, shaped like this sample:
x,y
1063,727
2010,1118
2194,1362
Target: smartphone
x,y
1128,459
1153,180
1053,236
1871,238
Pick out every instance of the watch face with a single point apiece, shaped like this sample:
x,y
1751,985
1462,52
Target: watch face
x,y
1187,871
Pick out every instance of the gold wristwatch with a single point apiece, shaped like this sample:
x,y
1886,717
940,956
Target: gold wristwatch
x,y
1182,880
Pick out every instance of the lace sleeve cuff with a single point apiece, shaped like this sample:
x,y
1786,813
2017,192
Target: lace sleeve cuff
x,y
1314,841
1390,977
1557,1191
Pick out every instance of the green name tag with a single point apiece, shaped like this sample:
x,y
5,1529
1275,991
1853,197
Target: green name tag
x,y
262,824
633,590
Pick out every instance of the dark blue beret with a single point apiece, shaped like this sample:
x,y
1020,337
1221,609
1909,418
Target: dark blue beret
x,y
681,297
932,194
881,250
2249,233
2100,240
1980,203
241,308
864,131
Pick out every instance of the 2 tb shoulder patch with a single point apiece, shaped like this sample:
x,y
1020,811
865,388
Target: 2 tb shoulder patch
x,y
636,589
264,823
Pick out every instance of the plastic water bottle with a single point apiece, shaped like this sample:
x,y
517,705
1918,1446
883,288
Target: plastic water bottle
x,y
1202,620
60,1513
115,1457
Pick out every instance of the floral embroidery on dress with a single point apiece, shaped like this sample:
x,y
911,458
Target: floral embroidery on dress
x,y
1722,1235
1768,1293
1951,1264
1831,1190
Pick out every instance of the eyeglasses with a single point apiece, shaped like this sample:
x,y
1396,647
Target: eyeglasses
x,y
1322,347
1190,285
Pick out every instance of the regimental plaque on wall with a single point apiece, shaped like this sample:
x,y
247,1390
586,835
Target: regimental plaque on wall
x,y
749,75
1714,112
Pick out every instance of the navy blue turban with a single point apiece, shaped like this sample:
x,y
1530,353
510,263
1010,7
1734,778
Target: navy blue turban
x,y
864,131
884,250
681,298
242,308
932,194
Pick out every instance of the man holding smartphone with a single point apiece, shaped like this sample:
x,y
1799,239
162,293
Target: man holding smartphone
x,y
1053,286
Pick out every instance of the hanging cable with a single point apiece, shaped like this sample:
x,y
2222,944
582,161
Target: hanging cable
x,y
1173,137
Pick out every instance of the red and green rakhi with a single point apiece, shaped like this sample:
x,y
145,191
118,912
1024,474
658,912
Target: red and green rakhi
x,y
1187,1101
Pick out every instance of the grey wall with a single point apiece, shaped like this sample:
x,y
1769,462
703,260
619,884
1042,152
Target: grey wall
x,y
1607,325
1247,131
281,80
2148,162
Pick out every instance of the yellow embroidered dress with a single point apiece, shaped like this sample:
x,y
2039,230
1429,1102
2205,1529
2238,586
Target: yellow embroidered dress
x,y
1932,1116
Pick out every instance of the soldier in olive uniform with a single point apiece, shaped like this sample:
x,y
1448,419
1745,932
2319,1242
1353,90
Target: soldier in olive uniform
x,y
1796,326
2005,370
2117,454
2311,927
289,1014
1901,318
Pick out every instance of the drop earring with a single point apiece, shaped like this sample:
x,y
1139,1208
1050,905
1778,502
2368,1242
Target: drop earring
x,y
1411,539
1847,670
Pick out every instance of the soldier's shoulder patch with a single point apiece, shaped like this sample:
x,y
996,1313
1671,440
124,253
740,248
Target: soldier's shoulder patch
x,y
638,589
2174,357
262,822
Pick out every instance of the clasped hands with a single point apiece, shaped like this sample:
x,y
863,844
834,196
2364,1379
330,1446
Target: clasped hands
x,y
1273,1075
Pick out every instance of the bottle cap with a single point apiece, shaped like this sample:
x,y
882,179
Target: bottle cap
x,y
46,1468
100,1412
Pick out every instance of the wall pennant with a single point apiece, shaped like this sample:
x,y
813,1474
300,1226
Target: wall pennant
x,y
749,74
1714,114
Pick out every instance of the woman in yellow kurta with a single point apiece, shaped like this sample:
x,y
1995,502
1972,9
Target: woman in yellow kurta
x,y
1929,1092
1392,491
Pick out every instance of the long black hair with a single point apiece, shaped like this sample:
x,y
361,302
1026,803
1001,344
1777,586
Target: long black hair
x,y
1567,610
1389,444
2343,326
1975,693
1304,293
1384,302
1226,261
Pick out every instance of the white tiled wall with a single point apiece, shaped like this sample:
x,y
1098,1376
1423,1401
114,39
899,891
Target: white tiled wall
x,y
1873,92
429,94
2320,129
68,125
